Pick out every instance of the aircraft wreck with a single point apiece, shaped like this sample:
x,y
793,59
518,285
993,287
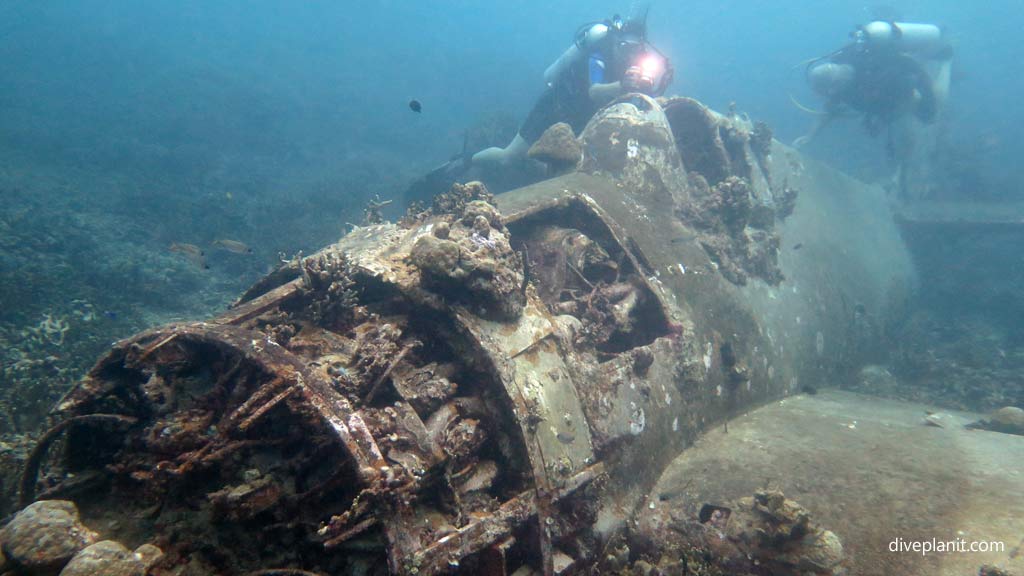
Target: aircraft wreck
x,y
494,385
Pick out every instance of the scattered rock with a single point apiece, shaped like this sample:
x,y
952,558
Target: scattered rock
x,y
643,568
764,534
1008,420
105,558
821,552
558,148
876,380
149,555
45,536
441,230
779,533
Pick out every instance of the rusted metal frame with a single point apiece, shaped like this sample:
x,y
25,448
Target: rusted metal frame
x,y
346,522
261,304
493,561
262,410
352,532
632,250
495,529
95,384
395,526
438,558
268,356
158,345
332,407
533,345
611,228
256,398
504,371
591,206
402,548
375,388
29,475
579,480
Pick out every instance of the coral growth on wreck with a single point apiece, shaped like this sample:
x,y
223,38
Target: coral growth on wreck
x,y
737,235
733,203
467,256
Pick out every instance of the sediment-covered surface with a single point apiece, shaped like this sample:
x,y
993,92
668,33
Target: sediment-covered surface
x,y
870,470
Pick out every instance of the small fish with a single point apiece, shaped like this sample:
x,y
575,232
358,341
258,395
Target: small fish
x,y
415,106
683,238
229,195
809,390
110,314
232,246
566,438
798,245
192,252
187,249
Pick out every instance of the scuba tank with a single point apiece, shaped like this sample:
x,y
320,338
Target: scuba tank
x,y
588,36
925,40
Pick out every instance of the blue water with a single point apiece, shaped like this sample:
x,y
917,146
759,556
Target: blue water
x,y
290,94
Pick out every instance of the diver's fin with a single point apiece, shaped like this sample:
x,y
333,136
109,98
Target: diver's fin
x,y
440,179
430,184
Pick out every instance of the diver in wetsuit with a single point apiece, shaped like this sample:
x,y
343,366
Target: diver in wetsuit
x,y
881,76
606,60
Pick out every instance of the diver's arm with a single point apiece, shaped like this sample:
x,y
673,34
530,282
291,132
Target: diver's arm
x,y
601,94
634,80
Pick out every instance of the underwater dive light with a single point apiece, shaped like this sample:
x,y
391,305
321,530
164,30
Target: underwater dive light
x,y
651,66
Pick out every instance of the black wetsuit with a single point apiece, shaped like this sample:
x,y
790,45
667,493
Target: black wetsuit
x,y
568,100
884,87
565,101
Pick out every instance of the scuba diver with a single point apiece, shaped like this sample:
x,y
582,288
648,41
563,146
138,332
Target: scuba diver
x,y
881,76
606,60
